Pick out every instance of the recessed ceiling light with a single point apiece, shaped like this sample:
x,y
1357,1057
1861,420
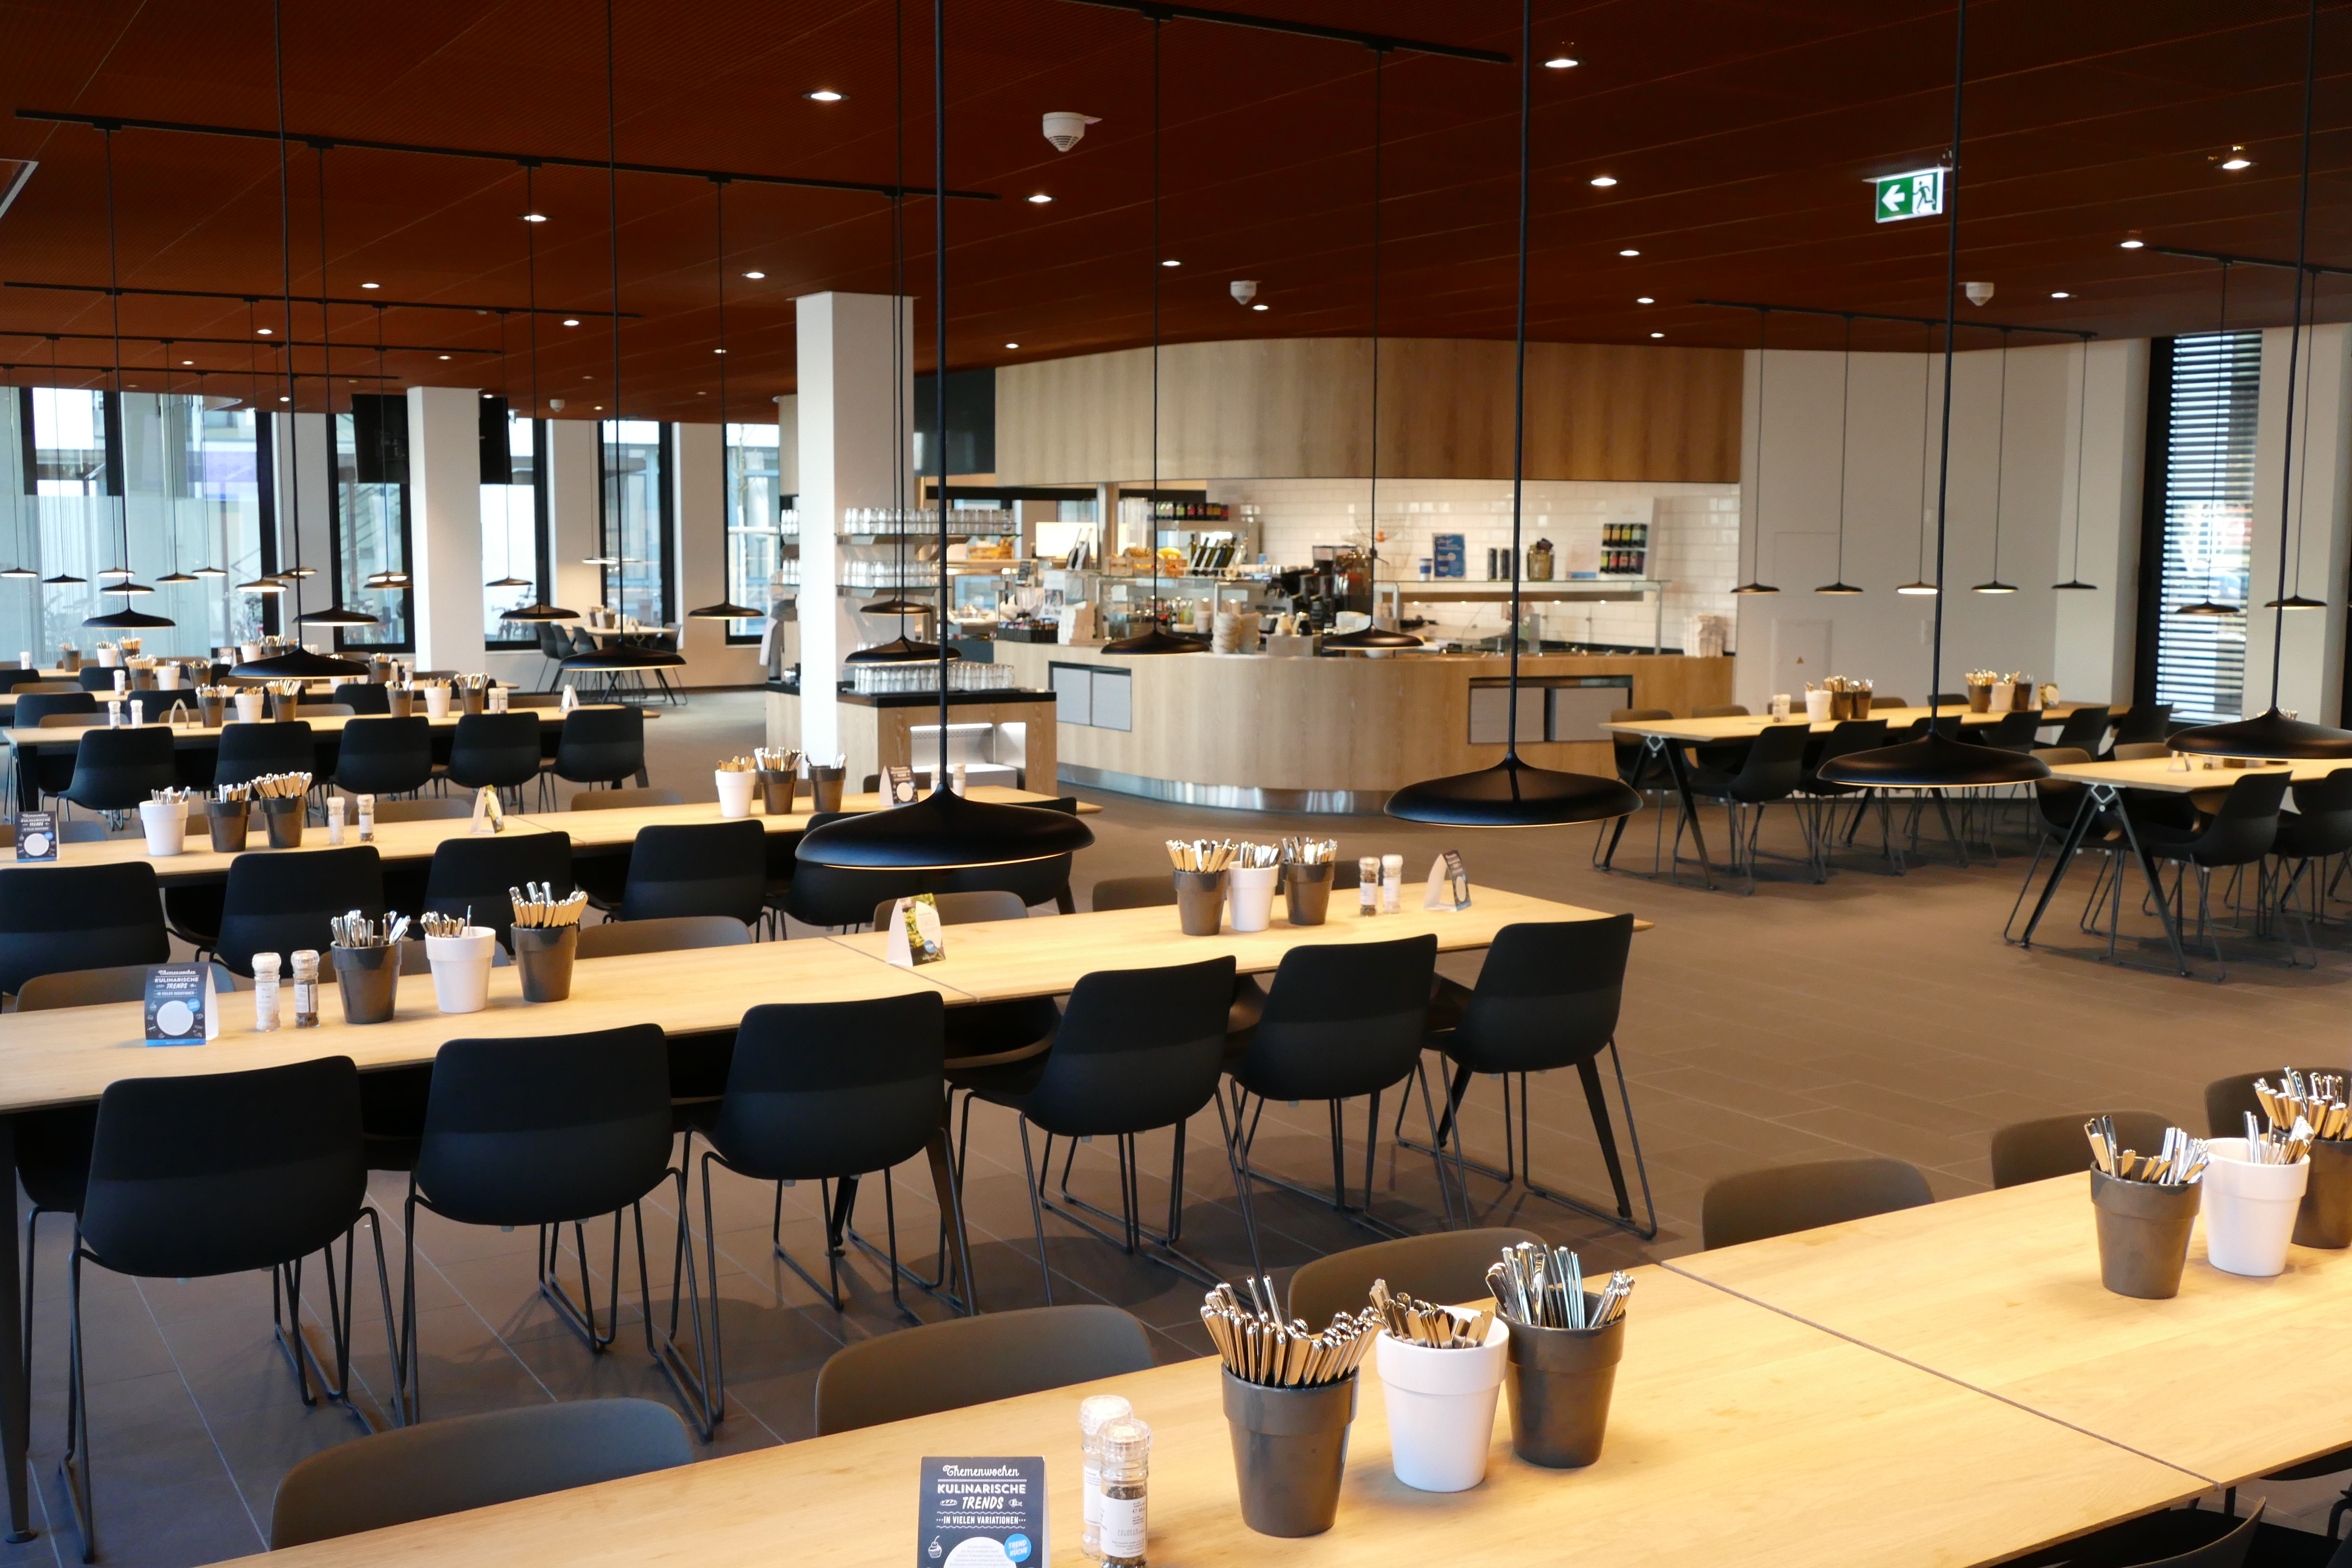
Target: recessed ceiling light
x,y
187,362
2236,160
263,331
1039,198
1013,345
1629,252
570,320
445,356
822,95
1258,307
1171,263
718,350
2132,244
1657,334
599,408
371,285
2059,294
534,217
1644,300
755,276
1562,62
285,400
1604,181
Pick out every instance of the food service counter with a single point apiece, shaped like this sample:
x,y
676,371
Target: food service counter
x,y
1253,732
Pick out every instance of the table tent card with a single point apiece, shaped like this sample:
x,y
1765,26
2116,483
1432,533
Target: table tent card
x,y
1449,883
181,1009
914,936
36,836
981,1513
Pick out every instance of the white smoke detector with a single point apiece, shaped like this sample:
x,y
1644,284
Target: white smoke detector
x,y
556,403
1244,289
1978,292
1066,128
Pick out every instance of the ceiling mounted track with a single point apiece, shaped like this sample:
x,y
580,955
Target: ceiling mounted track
x,y
369,300
1381,41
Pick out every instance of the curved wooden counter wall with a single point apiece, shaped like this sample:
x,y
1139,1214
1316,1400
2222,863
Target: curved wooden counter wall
x,y
1363,724
1299,408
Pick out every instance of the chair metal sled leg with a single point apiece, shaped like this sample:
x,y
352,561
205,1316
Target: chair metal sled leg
x,y
1337,1199
1135,1236
1520,1168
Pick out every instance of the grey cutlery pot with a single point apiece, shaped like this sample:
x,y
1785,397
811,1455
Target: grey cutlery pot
x,y
2143,1234
1200,901
1559,1387
2325,1217
544,954
283,815
227,819
1290,1446
369,978
824,787
1306,890
776,787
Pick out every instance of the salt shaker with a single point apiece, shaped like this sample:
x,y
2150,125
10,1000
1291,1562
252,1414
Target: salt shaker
x,y
306,988
265,993
1095,1413
334,819
1368,886
1392,883
1126,1475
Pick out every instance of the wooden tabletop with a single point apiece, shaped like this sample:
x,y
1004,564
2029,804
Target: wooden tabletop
x,y
205,735
1745,727
200,862
2231,1379
621,824
1737,1437
1003,960
2159,773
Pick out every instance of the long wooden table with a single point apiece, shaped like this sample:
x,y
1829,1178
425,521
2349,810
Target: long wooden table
x,y
621,824
2231,1379
1738,1437
68,1056
65,735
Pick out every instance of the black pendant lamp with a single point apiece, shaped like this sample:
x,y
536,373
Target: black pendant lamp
x,y
725,609
125,619
510,580
2073,582
2298,601
292,662
162,469
539,609
1156,638
1936,762
380,581
336,613
2271,735
1999,476
16,532
1919,587
207,570
1514,794
616,657
2209,607
63,579
1756,551
942,831
1845,421
1373,636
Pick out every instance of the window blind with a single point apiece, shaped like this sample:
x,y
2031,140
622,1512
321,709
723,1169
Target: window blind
x,y
2209,485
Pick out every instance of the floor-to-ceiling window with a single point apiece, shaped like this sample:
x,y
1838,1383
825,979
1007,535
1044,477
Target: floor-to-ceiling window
x,y
754,522
176,473
371,518
514,522
635,517
2203,401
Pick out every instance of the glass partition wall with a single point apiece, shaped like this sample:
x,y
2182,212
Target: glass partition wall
x,y
184,471
514,526
754,520
635,521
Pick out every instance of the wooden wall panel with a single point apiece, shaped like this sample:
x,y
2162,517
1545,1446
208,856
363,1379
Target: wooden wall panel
x,y
1297,408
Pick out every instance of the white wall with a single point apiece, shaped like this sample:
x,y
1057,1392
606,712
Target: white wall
x,y
445,525
699,547
2096,629
1791,504
2311,670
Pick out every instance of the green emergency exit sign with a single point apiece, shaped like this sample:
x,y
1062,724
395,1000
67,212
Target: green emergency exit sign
x,y
1919,193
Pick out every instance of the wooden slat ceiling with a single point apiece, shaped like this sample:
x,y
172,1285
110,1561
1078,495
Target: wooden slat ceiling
x,y
1740,132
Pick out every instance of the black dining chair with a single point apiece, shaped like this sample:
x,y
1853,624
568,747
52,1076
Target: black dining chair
x,y
1847,736
366,699
471,875
2238,836
1723,756
266,746
49,770
1548,997
385,756
1444,1266
1341,1022
2085,729
975,1360
1137,1050
214,1173
464,1462
2056,1146
1755,1204
838,897
801,1108
1638,767
116,769
1771,772
553,1130
668,933
1041,881
2055,803
495,750
598,746
2319,826
2142,723
98,678
696,868
56,918
280,903
554,647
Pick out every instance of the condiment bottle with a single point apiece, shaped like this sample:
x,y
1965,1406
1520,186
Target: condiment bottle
x,y
1392,883
367,818
1125,1474
306,988
1095,1413
1368,886
334,819
265,993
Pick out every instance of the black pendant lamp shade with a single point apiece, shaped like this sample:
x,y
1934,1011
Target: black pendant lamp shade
x,y
2271,736
1155,639
493,583
2073,582
942,832
1763,333
1512,793
128,620
64,580
2212,608
900,650
725,610
1999,474
299,664
129,590
538,611
125,618
335,615
1373,638
2073,586
175,578
2295,602
893,605
20,571
258,585
1937,761
1839,588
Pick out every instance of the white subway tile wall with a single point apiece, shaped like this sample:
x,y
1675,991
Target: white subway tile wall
x,y
1694,541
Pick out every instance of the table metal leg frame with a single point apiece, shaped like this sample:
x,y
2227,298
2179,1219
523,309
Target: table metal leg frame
x,y
2097,799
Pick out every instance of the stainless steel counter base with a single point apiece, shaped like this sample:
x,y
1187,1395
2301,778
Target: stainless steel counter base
x,y
1231,797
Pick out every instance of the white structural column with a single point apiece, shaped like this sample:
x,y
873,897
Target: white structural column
x,y
445,525
2096,629
849,457
2311,672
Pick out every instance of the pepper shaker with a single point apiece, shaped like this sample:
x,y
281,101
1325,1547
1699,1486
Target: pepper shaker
x,y
1368,886
306,988
1126,1475
1095,1413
